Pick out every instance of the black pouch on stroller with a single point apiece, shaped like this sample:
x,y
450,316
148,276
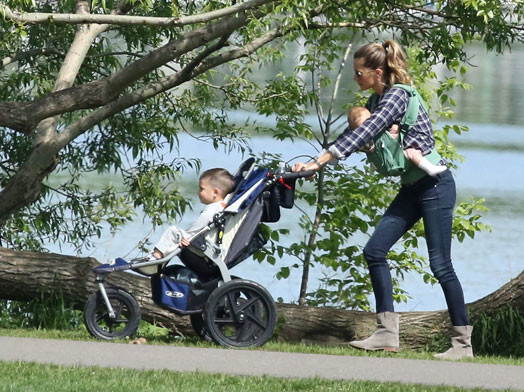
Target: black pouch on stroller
x,y
271,208
287,193
281,195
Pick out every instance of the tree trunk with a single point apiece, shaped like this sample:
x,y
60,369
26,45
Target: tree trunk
x,y
25,275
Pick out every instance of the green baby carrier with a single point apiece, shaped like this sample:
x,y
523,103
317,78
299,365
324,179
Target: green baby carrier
x,y
388,157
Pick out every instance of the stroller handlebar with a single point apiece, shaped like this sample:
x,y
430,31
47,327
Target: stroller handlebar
x,y
285,175
295,175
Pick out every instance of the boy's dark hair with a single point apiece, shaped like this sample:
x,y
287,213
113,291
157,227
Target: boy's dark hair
x,y
219,178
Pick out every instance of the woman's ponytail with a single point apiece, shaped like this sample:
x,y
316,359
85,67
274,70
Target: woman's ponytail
x,y
389,57
396,65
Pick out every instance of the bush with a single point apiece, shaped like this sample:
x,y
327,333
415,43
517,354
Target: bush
x,y
49,311
500,334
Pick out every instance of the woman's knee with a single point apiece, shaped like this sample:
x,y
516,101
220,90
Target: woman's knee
x,y
374,254
443,272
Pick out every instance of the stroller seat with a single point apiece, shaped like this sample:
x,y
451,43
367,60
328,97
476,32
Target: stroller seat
x,y
234,234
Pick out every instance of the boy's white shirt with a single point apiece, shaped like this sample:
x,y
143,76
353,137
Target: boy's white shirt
x,y
204,218
171,238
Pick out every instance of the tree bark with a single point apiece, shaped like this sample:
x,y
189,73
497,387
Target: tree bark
x,y
121,20
26,275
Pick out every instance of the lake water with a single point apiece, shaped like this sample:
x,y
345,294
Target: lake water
x,y
483,264
493,169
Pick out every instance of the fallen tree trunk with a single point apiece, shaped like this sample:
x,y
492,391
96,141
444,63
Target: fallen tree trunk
x,y
26,275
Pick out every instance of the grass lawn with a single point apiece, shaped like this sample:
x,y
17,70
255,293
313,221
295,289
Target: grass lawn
x,y
21,376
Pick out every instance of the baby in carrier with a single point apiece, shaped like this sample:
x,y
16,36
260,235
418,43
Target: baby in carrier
x,y
358,114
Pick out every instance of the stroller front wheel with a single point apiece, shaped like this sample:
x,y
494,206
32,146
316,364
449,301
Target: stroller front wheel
x,y
101,325
240,313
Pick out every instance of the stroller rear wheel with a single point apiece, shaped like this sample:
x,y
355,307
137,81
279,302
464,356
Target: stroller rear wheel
x,y
240,313
101,325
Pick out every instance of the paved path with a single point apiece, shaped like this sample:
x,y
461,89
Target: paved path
x,y
258,363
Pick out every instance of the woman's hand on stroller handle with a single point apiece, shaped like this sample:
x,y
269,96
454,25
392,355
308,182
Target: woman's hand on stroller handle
x,y
305,170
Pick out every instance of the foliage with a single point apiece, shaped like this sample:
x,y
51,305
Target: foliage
x,y
501,334
49,311
129,129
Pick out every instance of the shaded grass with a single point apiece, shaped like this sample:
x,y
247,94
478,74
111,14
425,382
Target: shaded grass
x,y
20,376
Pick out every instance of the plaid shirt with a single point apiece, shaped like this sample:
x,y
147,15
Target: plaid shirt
x,y
391,108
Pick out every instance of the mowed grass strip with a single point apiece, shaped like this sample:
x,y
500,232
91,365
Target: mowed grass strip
x,y
25,376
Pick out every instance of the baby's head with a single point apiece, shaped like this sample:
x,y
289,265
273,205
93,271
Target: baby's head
x,y
357,115
214,185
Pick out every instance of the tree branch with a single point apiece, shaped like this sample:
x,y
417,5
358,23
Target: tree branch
x,y
73,61
124,20
152,89
23,117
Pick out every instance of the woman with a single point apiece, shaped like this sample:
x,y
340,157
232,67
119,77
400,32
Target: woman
x,y
380,67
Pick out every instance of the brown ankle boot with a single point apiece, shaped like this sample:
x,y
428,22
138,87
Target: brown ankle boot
x,y
460,344
385,337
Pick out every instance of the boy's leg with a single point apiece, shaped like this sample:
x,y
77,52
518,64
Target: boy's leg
x,y
418,159
157,254
394,131
169,241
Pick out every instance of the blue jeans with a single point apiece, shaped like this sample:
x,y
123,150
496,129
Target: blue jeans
x,y
433,200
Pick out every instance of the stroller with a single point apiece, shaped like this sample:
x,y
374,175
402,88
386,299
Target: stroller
x,y
231,311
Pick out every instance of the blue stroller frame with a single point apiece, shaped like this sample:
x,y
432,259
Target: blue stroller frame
x,y
228,310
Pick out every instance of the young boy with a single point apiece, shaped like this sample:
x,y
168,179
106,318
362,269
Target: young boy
x,y
213,187
358,114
